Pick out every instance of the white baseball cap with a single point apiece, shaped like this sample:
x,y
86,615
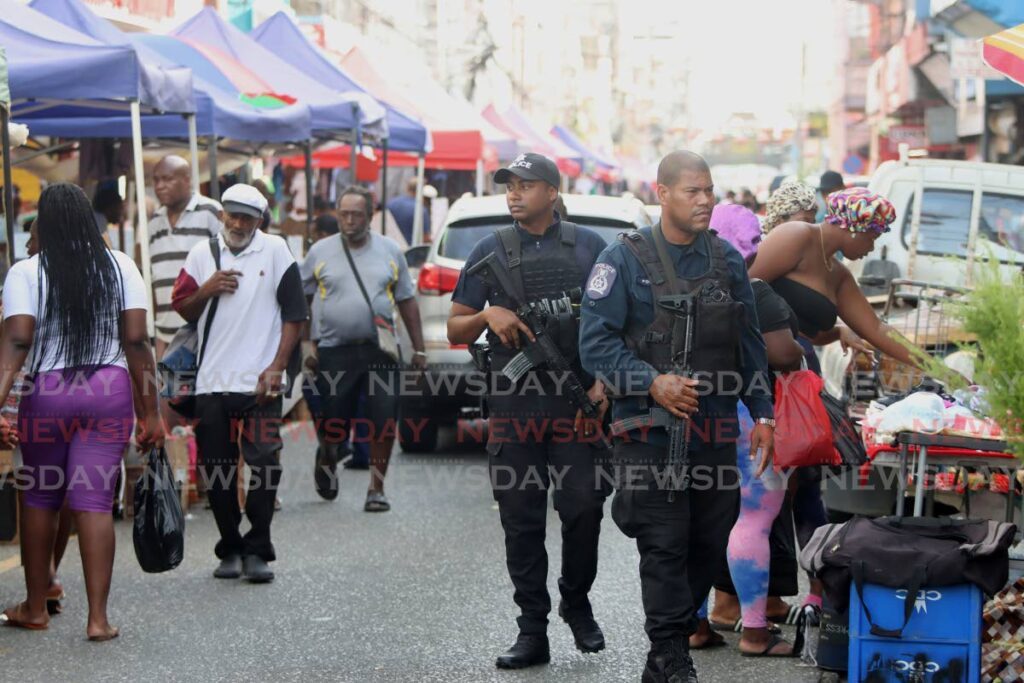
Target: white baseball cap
x,y
246,199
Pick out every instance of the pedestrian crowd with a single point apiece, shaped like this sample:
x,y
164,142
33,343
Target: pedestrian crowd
x,y
579,333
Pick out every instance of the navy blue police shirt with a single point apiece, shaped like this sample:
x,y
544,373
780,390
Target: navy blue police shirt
x,y
473,292
619,297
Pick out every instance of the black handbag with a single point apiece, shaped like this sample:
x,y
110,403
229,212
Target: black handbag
x,y
849,445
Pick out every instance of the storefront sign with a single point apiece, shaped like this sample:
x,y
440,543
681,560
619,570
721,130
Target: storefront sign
x,y
915,136
965,60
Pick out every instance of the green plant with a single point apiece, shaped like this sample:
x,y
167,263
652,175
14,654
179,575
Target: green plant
x,y
993,314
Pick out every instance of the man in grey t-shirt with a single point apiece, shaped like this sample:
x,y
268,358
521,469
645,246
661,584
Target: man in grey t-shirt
x,y
347,347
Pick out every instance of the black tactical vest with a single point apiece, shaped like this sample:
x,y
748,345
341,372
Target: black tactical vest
x,y
538,273
719,319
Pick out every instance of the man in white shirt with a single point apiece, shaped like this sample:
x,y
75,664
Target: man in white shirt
x,y
255,298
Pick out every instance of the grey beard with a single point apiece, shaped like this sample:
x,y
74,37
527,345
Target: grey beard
x,y
230,240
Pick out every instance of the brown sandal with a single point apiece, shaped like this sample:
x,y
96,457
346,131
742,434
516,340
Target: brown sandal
x,y
10,618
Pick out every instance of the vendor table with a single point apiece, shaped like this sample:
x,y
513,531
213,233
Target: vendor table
x,y
946,451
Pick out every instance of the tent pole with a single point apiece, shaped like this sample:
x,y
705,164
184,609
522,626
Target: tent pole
x,y
356,134
211,157
8,187
142,227
417,215
384,186
193,151
479,177
308,149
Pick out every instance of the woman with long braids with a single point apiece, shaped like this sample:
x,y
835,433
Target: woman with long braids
x,y
79,309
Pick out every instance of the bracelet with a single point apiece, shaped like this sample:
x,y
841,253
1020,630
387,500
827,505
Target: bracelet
x,y
420,353
768,421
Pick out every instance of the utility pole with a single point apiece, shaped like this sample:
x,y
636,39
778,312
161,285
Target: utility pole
x,y
801,114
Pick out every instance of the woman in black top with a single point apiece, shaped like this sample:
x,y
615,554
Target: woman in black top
x,y
762,490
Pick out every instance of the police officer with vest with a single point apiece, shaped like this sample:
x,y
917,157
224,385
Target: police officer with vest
x,y
538,439
659,370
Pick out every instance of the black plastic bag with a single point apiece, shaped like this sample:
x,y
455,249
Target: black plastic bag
x,y
159,529
847,441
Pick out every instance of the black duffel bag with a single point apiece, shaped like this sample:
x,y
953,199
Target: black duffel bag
x,y
908,553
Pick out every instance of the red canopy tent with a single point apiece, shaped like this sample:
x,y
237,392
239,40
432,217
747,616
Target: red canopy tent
x,y
339,156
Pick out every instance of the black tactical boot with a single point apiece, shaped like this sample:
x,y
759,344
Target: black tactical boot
x,y
585,631
669,662
528,651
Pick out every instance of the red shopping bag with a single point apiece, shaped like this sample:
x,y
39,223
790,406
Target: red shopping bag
x,y
803,431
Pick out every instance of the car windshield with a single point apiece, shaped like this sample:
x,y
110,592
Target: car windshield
x,y
461,236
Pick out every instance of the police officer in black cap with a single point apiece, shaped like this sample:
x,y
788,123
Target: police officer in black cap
x,y
633,337
537,438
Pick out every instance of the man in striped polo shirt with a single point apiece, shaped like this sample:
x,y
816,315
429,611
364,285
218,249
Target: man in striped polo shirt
x,y
182,220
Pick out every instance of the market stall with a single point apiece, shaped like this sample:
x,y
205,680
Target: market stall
x,y
46,94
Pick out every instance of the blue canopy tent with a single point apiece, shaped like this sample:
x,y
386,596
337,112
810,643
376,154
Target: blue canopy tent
x,y
332,112
574,143
219,114
46,63
405,132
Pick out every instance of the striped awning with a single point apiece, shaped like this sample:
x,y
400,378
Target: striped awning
x,y
1004,52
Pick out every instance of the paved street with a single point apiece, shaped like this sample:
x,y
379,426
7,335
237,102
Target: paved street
x,y
417,594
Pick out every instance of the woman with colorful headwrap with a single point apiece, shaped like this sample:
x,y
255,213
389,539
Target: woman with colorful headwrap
x,y
793,201
798,260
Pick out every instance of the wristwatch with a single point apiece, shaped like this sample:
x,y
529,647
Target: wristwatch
x,y
769,421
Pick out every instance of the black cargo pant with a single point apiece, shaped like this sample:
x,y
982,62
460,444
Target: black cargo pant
x,y
680,542
225,421
522,470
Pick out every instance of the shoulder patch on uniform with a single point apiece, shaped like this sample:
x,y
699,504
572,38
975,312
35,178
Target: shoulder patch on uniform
x,y
602,277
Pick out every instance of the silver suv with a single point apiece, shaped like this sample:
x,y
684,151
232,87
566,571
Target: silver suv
x,y
445,397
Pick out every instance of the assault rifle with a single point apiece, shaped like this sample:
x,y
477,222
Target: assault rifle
x,y
544,351
682,307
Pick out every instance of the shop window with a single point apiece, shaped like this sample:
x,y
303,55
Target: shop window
x,y
1002,220
945,223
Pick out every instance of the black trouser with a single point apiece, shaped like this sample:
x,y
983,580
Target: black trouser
x,y
680,542
225,420
520,478
346,372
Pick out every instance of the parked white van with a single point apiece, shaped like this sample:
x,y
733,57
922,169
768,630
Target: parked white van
x,y
946,211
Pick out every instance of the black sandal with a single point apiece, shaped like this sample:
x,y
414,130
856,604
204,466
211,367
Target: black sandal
x,y
737,627
773,642
790,618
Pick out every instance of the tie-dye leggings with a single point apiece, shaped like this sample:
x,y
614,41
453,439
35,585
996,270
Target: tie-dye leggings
x,y
749,553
